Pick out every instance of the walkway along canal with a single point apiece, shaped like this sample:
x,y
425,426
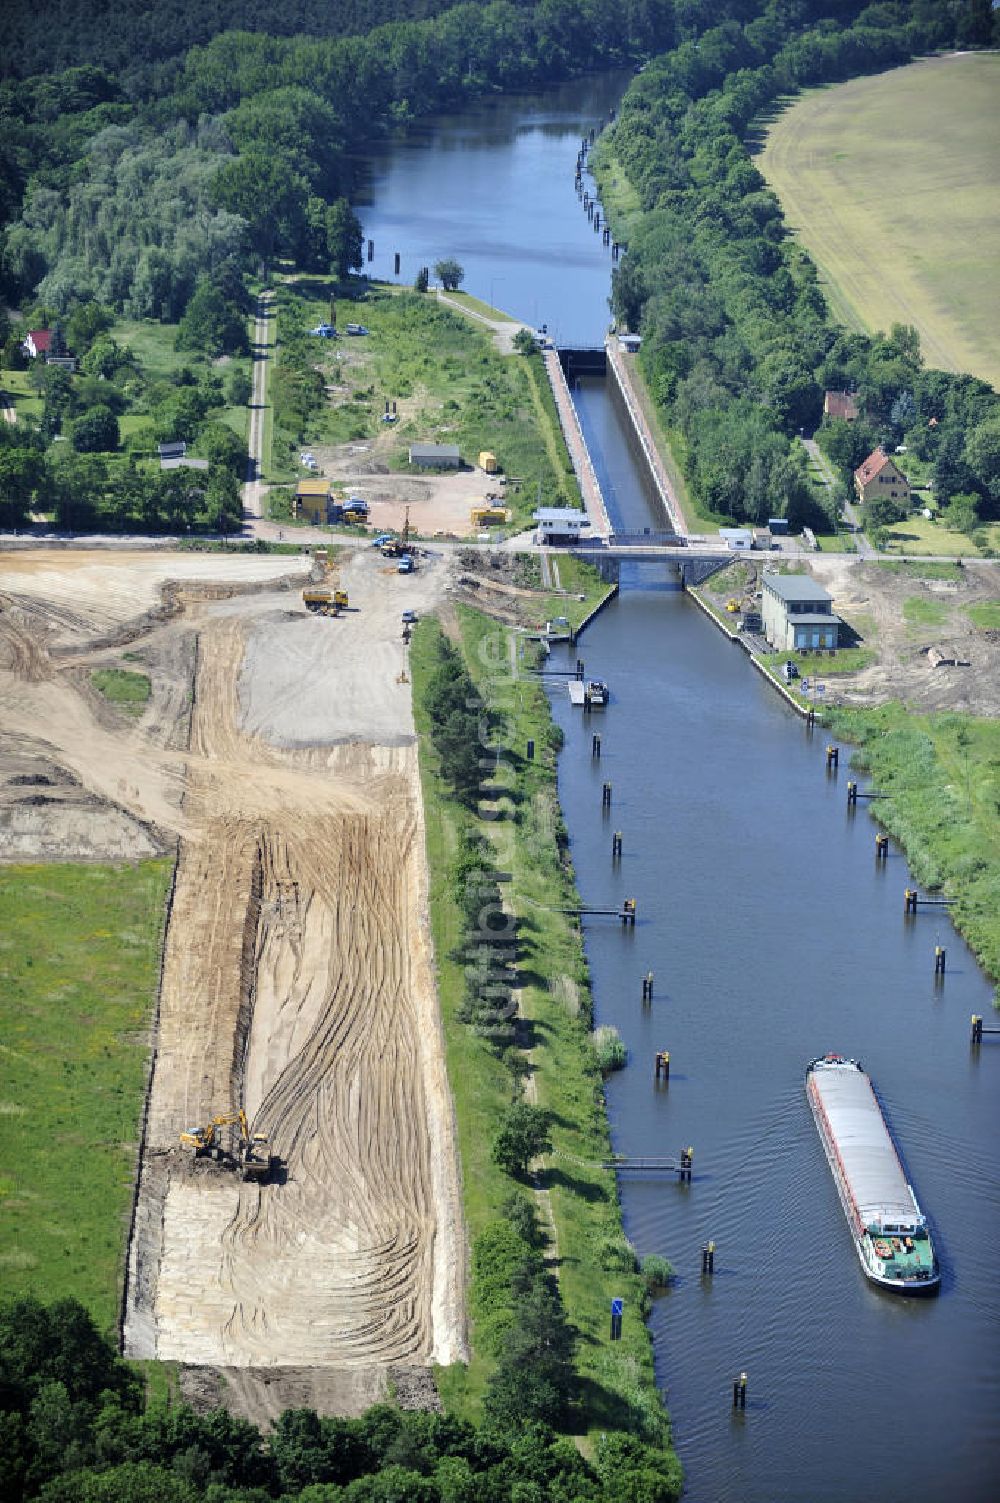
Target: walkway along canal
x,y
772,934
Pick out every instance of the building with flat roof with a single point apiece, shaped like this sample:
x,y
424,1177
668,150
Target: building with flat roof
x,y
797,614
436,456
559,524
739,539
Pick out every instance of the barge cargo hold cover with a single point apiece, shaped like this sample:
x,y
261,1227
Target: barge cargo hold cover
x,y
888,1227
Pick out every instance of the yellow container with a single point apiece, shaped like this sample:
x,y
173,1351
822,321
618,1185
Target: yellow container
x,y
488,462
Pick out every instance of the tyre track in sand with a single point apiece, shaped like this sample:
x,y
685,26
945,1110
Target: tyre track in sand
x,y
298,982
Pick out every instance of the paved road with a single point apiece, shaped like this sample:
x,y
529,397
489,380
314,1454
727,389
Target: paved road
x,y
852,518
253,490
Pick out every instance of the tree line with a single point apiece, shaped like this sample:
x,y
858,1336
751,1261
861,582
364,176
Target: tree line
x,y
738,342
78,1427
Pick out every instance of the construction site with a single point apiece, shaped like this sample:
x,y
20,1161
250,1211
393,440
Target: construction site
x,y
296,1235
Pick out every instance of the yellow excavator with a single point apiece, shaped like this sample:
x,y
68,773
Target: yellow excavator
x,y
254,1158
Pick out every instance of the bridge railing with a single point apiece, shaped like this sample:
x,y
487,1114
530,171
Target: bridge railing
x,y
646,539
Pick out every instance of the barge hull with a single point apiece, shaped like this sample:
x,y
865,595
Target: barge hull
x,y
889,1230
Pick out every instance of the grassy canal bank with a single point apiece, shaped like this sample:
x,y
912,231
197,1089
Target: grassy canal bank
x,y
518,1034
938,778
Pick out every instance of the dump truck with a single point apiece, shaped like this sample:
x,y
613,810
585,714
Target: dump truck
x,y
488,461
321,601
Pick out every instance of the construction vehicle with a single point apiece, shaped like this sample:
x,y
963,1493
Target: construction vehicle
x,y
324,602
488,516
253,1157
733,606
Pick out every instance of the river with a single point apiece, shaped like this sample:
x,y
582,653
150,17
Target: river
x,y
773,937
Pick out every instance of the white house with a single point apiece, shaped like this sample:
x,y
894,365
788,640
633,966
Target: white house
x,y
559,524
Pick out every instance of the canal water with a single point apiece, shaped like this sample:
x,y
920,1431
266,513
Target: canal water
x,y
772,936
494,189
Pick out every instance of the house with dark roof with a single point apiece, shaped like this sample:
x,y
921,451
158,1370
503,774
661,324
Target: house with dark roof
x,y
881,476
840,404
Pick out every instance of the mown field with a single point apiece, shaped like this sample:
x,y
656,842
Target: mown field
x,y
79,965
891,183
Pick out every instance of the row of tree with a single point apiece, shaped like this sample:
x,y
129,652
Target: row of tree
x,y
77,1428
738,342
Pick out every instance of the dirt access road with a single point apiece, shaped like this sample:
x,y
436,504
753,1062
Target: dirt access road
x,y
297,974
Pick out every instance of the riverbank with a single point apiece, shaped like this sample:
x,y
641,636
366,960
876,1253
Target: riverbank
x,y
934,771
551,1063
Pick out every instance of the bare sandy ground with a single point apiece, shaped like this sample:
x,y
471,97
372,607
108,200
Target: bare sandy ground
x,y
278,751
874,601
437,503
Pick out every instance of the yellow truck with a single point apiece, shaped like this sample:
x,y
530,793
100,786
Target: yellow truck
x,y
488,461
488,516
324,602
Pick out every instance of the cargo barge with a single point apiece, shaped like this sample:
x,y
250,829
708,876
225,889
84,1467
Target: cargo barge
x,y
889,1230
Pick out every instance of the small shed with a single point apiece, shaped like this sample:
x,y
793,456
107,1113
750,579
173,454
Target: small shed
x,y
436,456
175,449
739,539
312,501
630,343
777,526
559,524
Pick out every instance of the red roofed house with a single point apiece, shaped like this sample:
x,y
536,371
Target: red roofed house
x,y
840,404
879,476
38,342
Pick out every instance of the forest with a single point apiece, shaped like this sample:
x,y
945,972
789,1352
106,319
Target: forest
x,y
739,345
158,192
78,1426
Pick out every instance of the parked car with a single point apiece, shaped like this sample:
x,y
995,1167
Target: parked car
x,y
405,565
382,539
356,329
409,618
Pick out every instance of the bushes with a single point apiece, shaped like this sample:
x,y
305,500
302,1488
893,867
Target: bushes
x,y
609,1049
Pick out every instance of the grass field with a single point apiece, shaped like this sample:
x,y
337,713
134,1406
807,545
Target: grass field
x,y
918,536
891,183
129,691
938,774
79,963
